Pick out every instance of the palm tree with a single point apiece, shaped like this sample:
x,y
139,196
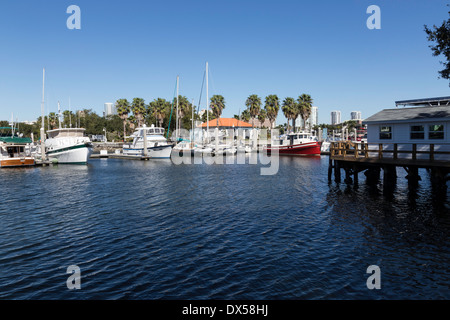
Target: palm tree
x,y
160,107
304,105
245,116
262,117
272,107
138,108
253,104
123,109
183,108
217,105
288,109
52,119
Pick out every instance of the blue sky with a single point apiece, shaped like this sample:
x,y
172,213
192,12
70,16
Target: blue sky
x,y
128,49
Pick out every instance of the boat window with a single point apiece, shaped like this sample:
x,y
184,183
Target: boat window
x,y
151,131
417,132
385,132
436,131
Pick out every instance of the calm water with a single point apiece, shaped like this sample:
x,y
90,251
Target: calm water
x,y
155,230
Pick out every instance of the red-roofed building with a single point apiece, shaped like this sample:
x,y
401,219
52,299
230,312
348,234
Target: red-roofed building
x,y
226,123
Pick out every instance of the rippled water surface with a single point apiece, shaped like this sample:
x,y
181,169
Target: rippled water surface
x,y
155,230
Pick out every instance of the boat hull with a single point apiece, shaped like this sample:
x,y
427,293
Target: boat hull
x,y
304,149
17,162
159,152
78,154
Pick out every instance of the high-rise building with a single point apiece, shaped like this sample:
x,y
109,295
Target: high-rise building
x,y
110,109
311,121
355,115
335,117
314,117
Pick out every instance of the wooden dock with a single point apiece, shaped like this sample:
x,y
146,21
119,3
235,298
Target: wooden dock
x,y
354,158
119,156
43,163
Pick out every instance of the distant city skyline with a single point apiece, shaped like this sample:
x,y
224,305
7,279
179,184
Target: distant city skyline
x,y
140,55
355,115
335,117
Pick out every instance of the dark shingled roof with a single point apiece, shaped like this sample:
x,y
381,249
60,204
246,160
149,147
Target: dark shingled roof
x,y
440,101
408,114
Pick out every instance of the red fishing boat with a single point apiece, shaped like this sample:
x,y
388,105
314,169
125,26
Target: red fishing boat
x,y
296,144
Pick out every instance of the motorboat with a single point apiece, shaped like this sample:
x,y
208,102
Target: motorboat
x,y
157,145
301,143
14,151
68,146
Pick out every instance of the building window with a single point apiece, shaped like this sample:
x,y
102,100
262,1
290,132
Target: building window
x,y
385,133
436,131
417,132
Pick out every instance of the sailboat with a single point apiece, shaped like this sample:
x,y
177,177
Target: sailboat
x,y
205,147
185,146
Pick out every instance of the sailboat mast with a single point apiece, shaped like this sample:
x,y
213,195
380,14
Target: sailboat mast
x,y
12,124
42,127
42,103
207,103
177,126
70,115
192,107
59,115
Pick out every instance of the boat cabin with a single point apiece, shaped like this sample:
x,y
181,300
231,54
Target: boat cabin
x,y
295,138
13,152
66,132
139,132
408,128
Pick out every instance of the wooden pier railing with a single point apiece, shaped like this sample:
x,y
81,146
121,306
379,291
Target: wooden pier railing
x,y
372,151
354,158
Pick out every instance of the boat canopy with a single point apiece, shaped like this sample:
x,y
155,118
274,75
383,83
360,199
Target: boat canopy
x,y
15,140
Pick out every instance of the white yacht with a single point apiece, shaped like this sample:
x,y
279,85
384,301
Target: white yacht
x,y
68,146
157,145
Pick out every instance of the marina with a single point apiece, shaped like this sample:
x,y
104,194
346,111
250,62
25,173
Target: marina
x,y
225,159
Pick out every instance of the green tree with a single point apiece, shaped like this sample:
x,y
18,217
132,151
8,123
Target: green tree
x,y
441,37
245,115
210,115
304,105
113,126
262,116
253,104
138,108
184,108
272,106
217,105
68,118
52,118
289,110
123,109
160,108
